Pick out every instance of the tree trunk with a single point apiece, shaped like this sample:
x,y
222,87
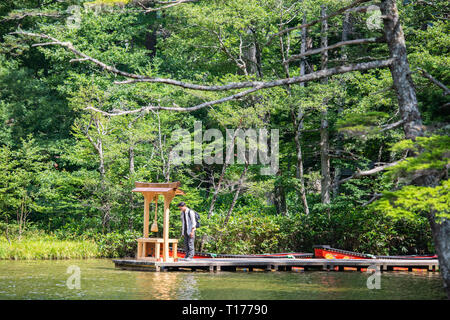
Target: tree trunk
x,y
229,154
132,171
7,230
401,74
98,146
252,58
412,122
150,42
441,236
346,28
252,55
299,171
299,128
101,166
280,197
236,194
297,121
151,39
131,159
106,209
324,139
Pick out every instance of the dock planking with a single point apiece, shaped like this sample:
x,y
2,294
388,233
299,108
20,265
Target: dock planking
x,y
270,264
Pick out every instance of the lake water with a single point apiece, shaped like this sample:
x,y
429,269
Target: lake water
x,y
99,279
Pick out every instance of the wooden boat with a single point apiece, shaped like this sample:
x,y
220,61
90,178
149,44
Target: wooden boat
x,y
326,252
288,255
320,252
198,255
202,255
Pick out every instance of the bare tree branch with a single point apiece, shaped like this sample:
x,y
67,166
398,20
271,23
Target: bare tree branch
x,y
22,15
253,85
269,84
230,86
382,90
433,80
361,9
309,24
264,85
167,4
333,46
376,196
359,174
391,126
239,61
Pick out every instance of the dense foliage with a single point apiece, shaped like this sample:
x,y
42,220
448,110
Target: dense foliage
x,y
69,171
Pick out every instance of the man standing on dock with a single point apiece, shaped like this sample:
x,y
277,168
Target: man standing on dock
x,y
188,223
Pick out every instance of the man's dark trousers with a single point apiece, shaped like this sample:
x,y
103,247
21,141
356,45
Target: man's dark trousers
x,y
189,246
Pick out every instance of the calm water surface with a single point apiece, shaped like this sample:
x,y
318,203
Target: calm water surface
x,y
100,280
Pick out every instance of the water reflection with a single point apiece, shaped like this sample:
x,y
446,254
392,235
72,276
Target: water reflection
x,y
167,285
187,289
100,280
156,285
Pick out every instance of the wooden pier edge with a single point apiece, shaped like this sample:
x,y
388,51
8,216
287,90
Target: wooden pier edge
x,y
234,264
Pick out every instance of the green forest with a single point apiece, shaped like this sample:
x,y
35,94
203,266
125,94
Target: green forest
x,y
91,93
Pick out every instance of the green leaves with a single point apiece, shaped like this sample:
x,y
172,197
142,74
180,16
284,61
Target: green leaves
x,y
21,183
244,234
361,124
117,244
432,158
433,153
413,202
56,174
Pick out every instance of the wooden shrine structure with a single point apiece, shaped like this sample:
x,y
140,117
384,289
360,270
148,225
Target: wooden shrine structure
x,y
151,248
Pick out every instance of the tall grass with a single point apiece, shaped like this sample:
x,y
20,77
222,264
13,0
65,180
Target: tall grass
x,y
47,248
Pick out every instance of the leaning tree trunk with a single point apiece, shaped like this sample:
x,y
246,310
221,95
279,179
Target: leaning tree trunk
x,y
441,236
412,121
401,74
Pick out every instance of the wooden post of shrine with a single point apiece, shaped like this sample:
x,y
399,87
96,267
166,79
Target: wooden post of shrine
x,y
148,198
167,200
150,248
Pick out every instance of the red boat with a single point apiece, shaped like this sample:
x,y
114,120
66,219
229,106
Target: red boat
x,y
320,252
326,252
203,255
291,255
198,255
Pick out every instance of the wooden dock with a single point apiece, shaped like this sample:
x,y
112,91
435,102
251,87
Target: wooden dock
x,y
283,264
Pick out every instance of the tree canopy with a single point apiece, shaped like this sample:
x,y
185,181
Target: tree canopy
x,y
92,91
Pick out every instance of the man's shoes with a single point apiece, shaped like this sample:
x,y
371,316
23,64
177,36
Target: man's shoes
x,y
184,259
